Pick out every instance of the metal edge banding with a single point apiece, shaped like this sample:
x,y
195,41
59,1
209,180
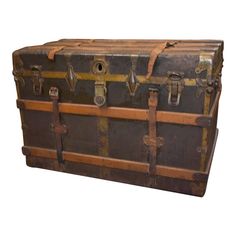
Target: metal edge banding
x,y
203,176
205,64
113,112
165,171
215,103
208,167
107,77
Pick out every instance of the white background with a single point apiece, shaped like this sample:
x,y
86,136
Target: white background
x,y
40,202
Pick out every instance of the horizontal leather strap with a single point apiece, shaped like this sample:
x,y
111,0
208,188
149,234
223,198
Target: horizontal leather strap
x,y
55,49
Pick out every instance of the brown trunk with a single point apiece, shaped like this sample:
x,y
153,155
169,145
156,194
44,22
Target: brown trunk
x,y
136,111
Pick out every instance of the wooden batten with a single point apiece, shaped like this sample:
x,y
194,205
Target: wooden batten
x,y
114,112
165,171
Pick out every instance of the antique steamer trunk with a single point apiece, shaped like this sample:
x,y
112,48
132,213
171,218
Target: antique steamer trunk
x,y
142,112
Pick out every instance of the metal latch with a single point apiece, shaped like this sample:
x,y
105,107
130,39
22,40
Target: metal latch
x,y
37,80
175,85
100,93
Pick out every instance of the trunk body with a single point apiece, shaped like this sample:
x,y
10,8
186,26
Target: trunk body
x,y
136,111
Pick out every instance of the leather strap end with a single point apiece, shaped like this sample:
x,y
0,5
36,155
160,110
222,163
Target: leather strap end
x,y
52,52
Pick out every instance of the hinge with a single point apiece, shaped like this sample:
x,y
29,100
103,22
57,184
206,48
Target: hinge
x,y
207,84
175,86
37,80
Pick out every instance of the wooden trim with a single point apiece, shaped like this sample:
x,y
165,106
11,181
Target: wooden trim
x,y
112,112
108,162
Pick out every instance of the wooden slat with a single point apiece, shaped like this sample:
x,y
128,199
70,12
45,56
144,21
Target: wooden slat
x,y
182,41
140,43
112,112
108,162
177,117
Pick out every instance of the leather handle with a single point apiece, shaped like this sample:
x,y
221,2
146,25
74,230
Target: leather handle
x,y
154,55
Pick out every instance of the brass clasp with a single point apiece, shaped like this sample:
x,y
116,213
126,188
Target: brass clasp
x,y
37,80
100,93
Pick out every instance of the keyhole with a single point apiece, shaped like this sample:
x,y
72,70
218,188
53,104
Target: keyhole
x,y
99,67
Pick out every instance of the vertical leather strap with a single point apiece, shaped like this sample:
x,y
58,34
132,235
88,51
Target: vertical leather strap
x,y
57,127
152,103
151,139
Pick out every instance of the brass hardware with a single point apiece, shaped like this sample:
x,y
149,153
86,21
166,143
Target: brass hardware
x,y
53,92
20,104
18,71
132,82
204,121
158,142
207,84
102,130
71,77
19,78
99,67
202,150
157,80
175,86
100,93
37,80
218,75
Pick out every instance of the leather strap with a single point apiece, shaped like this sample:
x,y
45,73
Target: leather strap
x,y
152,103
55,49
52,52
58,128
154,55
